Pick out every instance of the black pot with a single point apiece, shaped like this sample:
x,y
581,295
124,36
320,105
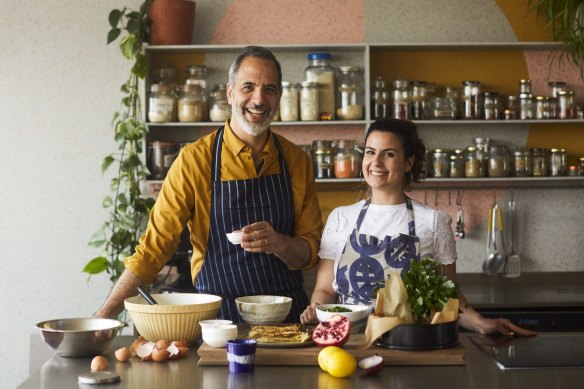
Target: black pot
x,y
420,336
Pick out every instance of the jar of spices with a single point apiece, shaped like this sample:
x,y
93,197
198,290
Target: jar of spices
x,y
309,101
521,163
499,161
539,162
557,165
442,108
320,71
541,107
219,110
526,106
554,87
472,165
492,106
525,87
565,105
323,158
452,94
440,163
350,94
482,154
347,159
470,99
289,102
419,99
160,157
161,102
511,109
197,75
456,168
380,104
190,103
400,97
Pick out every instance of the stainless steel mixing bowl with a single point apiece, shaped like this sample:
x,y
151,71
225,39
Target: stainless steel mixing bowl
x,y
79,337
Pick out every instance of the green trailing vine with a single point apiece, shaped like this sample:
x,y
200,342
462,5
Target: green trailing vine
x,y
128,208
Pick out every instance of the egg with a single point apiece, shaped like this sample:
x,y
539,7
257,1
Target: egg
x,y
139,340
123,354
98,363
144,351
159,355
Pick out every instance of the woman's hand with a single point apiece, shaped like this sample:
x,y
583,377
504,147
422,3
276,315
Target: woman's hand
x,y
501,326
309,314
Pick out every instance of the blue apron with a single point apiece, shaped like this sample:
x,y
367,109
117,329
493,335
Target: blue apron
x,y
367,261
228,270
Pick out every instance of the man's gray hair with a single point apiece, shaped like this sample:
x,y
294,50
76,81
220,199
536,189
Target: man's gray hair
x,y
258,52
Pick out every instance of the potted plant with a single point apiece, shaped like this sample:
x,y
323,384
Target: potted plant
x,y
565,19
128,208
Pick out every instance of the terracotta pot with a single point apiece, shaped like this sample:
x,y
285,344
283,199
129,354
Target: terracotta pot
x,y
172,22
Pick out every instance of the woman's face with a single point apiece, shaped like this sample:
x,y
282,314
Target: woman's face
x,y
384,161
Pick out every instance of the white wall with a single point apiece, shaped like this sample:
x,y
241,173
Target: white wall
x,y
59,83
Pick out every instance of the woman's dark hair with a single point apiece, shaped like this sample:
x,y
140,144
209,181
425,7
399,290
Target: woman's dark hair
x,y
407,133
258,52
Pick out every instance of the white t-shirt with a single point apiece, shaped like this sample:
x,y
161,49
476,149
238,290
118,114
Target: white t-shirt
x,y
433,228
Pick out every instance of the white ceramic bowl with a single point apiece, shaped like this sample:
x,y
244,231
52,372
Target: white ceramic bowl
x,y
358,315
214,322
218,335
235,237
263,310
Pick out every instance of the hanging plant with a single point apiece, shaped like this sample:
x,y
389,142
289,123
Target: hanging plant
x,y
128,208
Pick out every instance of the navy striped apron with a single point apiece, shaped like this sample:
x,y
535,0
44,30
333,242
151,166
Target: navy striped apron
x,y
367,261
228,270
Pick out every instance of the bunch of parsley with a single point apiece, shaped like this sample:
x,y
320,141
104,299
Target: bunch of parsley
x,y
428,291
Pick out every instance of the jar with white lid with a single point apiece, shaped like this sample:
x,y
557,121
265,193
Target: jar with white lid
x,y
319,70
219,110
309,101
198,75
161,103
190,103
350,93
289,102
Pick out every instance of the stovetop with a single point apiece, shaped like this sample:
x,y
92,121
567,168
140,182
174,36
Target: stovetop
x,y
542,351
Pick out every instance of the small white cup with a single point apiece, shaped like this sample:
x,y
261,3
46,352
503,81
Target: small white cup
x,y
218,335
213,322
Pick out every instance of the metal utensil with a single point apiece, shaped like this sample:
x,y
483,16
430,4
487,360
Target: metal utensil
x,y
496,258
459,218
513,267
144,293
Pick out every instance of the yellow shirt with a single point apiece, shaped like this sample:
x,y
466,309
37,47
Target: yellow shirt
x,y
185,199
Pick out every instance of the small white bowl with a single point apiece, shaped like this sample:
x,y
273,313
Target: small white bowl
x,y
358,316
214,323
218,335
235,237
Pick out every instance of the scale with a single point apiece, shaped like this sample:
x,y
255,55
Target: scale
x,y
542,351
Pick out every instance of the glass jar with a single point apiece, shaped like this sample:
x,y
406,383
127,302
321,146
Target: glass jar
x,y
499,161
470,99
539,162
320,71
350,94
521,163
401,99
456,168
554,87
380,104
161,102
525,87
452,94
442,108
347,160
160,157
289,102
440,163
190,103
565,105
511,109
542,107
197,75
309,101
472,164
419,100
323,158
482,153
557,165
219,110
526,106
581,166
492,106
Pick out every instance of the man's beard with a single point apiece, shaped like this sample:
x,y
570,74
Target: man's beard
x,y
253,129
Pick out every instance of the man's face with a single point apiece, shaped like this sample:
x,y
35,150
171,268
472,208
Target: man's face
x,y
255,95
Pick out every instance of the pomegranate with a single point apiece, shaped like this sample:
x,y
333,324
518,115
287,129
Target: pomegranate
x,y
372,365
332,332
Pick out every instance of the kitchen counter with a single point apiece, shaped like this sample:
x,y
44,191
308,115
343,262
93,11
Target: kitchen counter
x,y
479,372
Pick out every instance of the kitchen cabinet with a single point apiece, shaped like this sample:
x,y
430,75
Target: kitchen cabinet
x,y
445,64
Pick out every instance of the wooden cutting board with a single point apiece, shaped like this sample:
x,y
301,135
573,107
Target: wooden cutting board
x,y
308,356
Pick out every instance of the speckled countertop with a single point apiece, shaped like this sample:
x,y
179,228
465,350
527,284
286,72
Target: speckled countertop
x,y
561,289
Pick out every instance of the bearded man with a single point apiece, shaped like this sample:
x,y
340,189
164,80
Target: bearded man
x,y
242,177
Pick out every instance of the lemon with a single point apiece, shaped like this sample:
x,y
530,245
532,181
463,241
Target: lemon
x,y
337,362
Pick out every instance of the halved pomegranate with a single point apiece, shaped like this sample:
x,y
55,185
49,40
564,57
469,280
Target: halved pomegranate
x,y
332,332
